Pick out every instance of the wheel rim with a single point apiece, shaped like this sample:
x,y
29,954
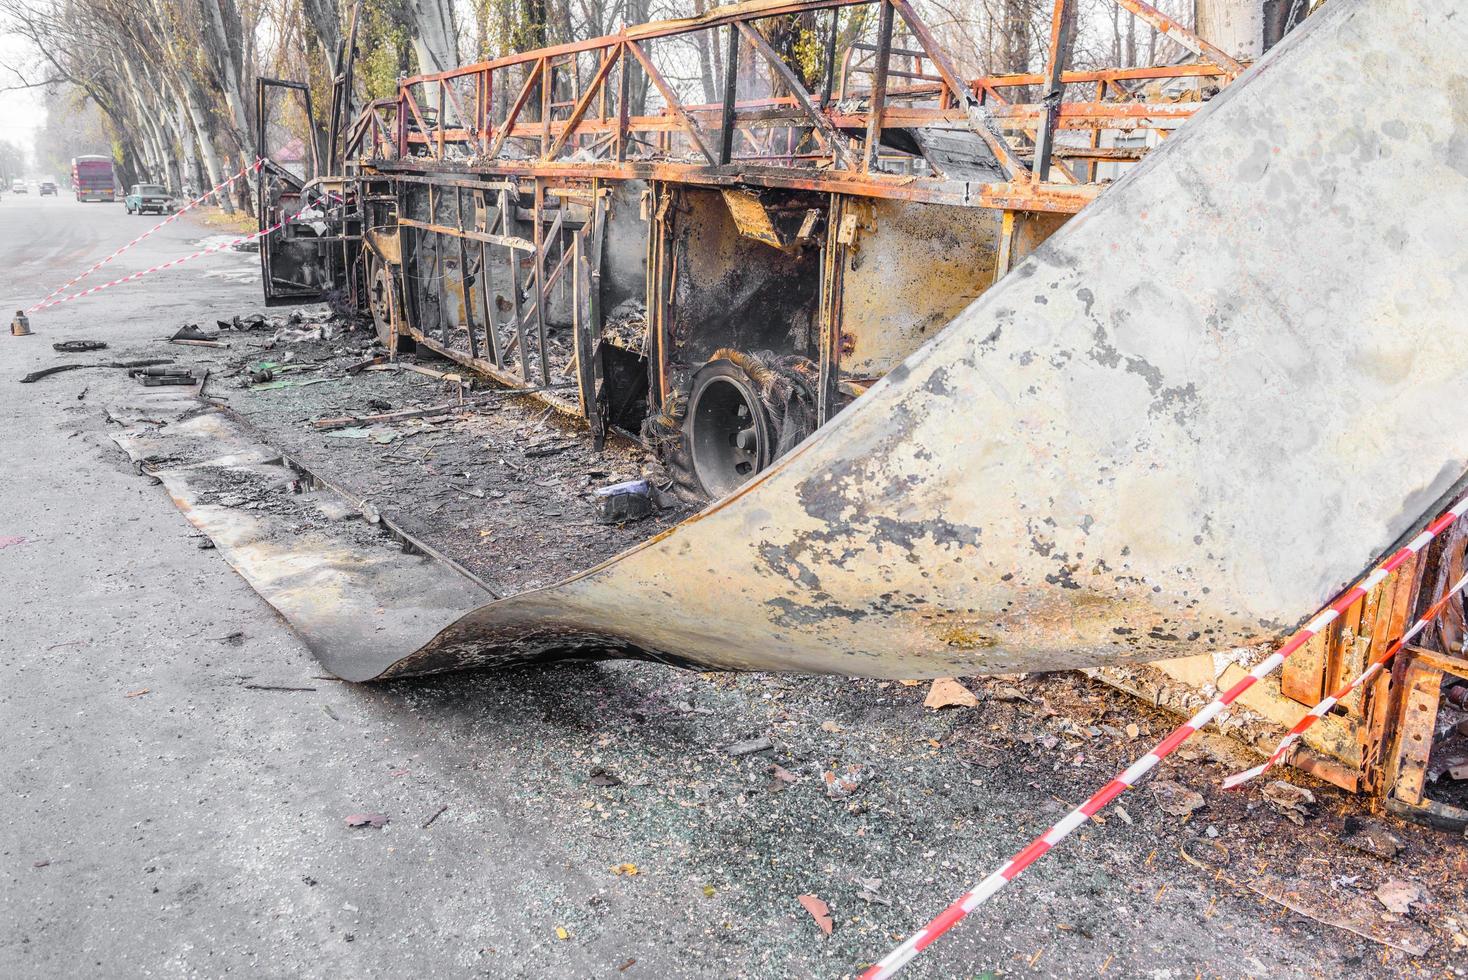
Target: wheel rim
x,y
729,435
380,300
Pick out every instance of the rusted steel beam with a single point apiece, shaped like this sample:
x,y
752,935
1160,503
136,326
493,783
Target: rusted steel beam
x,y
1177,32
1057,198
623,113
547,83
671,99
1023,118
878,98
552,279
609,58
452,98
978,116
1030,196
542,237
828,71
727,121
1200,70
465,296
506,241
516,107
416,113
1060,28
838,143
749,10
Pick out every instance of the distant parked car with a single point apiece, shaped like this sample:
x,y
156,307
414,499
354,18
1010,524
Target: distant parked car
x,y
17,186
147,197
48,187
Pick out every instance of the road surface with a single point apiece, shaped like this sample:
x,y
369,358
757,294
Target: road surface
x,y
177,776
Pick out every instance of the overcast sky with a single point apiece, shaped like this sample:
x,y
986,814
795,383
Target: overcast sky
x,y
21,112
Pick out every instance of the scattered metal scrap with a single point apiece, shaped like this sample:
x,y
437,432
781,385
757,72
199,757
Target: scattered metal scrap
x,y
146,362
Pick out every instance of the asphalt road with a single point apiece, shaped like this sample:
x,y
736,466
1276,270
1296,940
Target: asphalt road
x,y
197,828
163,812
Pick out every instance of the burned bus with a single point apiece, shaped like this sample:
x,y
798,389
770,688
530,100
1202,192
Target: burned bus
x,y
972,375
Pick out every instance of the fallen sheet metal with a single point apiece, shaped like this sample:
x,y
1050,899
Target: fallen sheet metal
x,y
356,593
1184,424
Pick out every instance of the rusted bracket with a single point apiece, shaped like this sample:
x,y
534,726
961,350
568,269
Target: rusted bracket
x,y
1421,692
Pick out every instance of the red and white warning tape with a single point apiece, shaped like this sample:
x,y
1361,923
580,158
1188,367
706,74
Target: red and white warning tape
x,y
171,218
984,890
1374,668
180,261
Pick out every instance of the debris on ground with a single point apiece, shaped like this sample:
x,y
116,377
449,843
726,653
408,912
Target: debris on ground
x,y
841,785
1291,800
600,777
47,372
1371,837
252,321
374,820
1398,896
157,376
949,693
819,911
1175,798
192,331
57,369
78,346
750,747
868,888
623,502
1346,910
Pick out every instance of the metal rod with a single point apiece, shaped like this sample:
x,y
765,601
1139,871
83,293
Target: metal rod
x,y
731,87
879,88
1060,28
830,69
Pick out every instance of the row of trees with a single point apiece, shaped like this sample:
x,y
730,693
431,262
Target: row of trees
x,y
171,82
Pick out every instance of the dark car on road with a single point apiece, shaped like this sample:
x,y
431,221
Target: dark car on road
x,y
48,187
147,197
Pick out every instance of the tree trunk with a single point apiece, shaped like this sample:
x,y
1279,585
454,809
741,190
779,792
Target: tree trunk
x,y
1236,26
435,35
325,25
206,144
220,35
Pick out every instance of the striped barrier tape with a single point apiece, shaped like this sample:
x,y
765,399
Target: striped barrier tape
x,y
180,261
1320,710
173,217
986,889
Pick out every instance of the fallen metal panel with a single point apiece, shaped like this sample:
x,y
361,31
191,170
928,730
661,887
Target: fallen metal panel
x,y
354,593
1143,443
1196,413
